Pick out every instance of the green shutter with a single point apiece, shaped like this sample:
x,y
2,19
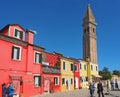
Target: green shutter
x,y
18,52
40,80
40,58
12,52
21,34
35,56
16,32
54,80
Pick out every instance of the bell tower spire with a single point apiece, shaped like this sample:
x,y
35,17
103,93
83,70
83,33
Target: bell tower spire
x,y
88,15
89,36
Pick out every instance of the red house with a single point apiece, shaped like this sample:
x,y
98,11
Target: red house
x,y
20,61
51,73
76,73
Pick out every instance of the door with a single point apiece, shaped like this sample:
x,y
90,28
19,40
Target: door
x,y
16,84
76,83
46,86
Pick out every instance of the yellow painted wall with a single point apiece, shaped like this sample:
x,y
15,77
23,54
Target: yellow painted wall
x,y
88,72
67,74
83,74
94,71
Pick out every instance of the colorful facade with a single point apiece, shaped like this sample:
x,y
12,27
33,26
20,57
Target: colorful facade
x,y
67,74
51,73
88,73
20,61
83,74
77,83
34,71
51,79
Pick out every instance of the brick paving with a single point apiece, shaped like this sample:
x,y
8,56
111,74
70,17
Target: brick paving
x,y
78,93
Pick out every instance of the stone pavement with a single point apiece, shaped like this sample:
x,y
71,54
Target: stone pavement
x,y
79,93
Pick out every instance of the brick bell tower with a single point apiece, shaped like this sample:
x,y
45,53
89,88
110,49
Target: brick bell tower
x,y
89,36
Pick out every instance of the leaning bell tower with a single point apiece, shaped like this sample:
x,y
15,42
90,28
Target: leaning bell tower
x,y
89,36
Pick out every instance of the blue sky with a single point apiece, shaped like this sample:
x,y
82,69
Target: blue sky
x,y
58,24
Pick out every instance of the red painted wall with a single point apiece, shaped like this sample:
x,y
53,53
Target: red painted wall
x,y
56,88
77,73
51,59
26,68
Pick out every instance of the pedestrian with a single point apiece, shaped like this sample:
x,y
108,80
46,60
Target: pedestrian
x,y
112,85
116,84
4,90
92,89
100,89
108,87
10,90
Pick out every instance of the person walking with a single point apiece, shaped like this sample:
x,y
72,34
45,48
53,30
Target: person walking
x,y
112,85
116,84
100,89
92,89
4,90
10,90
108,87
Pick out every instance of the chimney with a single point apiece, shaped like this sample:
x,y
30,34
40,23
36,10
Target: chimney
x,y
30,36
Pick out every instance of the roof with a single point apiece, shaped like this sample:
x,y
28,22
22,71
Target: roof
x,y
89,15
17,41
7,26
50,69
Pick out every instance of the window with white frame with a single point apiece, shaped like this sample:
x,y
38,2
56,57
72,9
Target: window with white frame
x,y
84,66
96,68
80,66
75,68
71,81
56,80
37,80
64,66
71,67
38,58
18,34
63,81
16,53
92,67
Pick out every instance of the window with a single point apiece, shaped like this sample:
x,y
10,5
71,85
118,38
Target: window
x,y
86,78
75,68
38,58
16,52
71,67
18,34
84,30
37,80
88,29
92,67
64,66
63,81
93,29
96,68
56,80
80,66
71,81
81,79
84,67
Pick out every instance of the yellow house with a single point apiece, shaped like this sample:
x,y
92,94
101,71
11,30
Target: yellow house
x,y
88,73
83,74
67,74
